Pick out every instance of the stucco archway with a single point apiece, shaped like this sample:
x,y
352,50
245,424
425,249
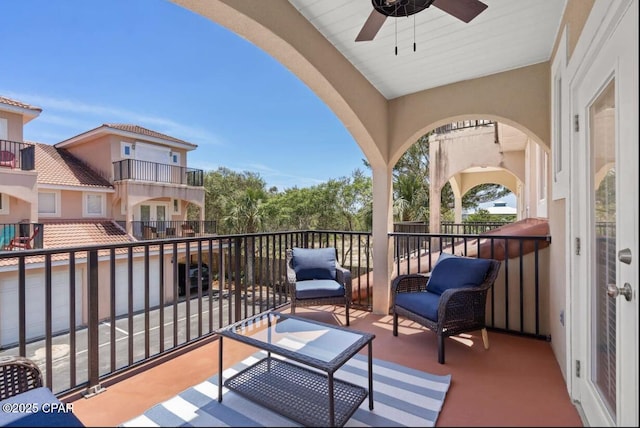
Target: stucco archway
x,y
382,128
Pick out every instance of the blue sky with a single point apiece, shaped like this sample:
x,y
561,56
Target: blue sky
x,y
86,63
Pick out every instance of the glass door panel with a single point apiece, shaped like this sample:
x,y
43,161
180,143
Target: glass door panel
x,y
603,330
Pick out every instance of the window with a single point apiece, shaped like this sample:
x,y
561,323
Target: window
x,y
542,161
126,150
560,124
175,158
176,206
4,129
4,203
93,205
557,131
49,204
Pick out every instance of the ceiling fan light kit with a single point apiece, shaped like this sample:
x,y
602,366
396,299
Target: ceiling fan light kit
x,y
465,10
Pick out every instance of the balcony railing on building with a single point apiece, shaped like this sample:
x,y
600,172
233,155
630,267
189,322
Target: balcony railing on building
x,y
160,229
15,155
20,236
133,169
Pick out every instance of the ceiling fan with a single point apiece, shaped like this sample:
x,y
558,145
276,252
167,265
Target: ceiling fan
x,y
465,10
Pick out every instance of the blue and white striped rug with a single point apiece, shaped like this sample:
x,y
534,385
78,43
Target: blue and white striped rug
x,y
402,397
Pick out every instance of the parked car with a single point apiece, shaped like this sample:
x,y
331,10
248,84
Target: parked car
x,y
193,278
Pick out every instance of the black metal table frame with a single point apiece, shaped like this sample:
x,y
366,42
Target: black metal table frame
x,y
329,367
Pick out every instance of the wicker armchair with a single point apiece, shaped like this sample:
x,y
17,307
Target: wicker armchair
x,y
449,302
314,277
18,375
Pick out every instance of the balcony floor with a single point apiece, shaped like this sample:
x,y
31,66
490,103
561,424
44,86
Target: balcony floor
x,y
517,382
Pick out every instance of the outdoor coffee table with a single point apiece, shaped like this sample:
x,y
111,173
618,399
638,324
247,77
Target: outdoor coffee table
x,y
307,392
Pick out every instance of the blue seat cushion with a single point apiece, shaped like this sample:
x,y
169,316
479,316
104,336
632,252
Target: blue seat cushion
x,y
318,288
422,303
314,263
457,272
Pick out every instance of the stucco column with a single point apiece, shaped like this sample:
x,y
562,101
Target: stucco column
x,y
382,244
457,210
434,189
129,216
434,215
33,212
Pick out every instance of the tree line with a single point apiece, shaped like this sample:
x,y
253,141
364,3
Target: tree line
x,y
241,202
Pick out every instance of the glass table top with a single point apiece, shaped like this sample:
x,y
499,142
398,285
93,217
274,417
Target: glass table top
x,y
287,334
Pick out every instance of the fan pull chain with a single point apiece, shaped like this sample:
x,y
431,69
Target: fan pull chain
x,y
395,22
414,32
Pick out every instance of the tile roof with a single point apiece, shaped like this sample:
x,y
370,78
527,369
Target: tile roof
x,y
58,166
14,103
78,233
144,131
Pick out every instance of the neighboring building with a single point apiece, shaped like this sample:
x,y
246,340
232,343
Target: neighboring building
x,y
116,172
501,208
105,186
498,209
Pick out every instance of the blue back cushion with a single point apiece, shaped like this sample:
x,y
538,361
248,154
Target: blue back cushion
x,y
314,263
457,272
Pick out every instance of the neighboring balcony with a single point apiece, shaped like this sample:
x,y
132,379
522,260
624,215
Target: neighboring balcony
x,y
20,236
17,156
160,229
133,169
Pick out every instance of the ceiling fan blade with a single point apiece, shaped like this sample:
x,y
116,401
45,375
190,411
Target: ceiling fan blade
x,y
464,10
371,26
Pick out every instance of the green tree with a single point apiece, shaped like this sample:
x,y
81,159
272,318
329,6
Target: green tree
x,y
234,200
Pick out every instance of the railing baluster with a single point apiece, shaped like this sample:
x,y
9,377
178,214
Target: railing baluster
x,y
93,357
22,305
48,327
72,318
112,312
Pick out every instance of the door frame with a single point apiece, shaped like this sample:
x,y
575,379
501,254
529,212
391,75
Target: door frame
x,y
594,50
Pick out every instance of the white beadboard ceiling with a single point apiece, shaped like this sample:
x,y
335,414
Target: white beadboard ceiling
x,y
508,34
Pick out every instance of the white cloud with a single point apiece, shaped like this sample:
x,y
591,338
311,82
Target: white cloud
x,y
56,109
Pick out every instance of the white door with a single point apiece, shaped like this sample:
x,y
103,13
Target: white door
x,y
605,212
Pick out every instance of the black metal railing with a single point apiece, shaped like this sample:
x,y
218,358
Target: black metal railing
x,y
85,314
133,169
21,236
446,227
160,229
463,124
15,155
471,227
